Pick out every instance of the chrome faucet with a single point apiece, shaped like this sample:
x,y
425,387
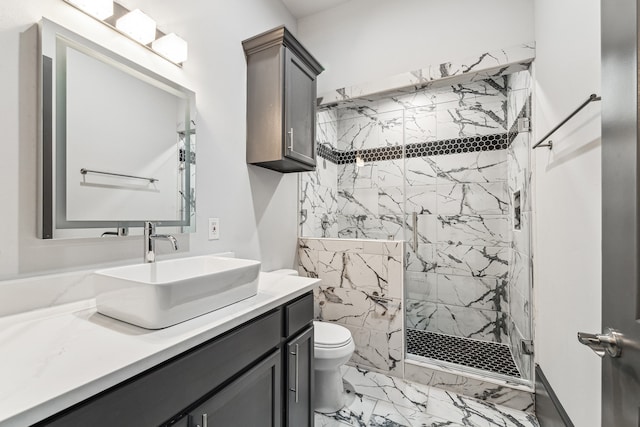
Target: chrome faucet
x,y
120,232
150,237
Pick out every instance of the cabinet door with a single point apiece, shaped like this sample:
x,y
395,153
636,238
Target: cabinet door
x,y
253,400
300,110
299,379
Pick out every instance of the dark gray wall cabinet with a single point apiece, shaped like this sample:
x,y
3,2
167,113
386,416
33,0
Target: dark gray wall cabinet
x,y
281,101
259,374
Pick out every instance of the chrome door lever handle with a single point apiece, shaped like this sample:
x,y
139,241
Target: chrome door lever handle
x,y
602,344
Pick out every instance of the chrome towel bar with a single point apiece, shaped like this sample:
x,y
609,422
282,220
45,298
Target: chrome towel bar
x,y
85,171
591,99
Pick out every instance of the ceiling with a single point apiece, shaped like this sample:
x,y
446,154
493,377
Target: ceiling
x,y
301,8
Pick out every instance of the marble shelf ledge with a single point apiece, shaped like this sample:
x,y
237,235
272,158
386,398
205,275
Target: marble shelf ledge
x,y
55,357
479,67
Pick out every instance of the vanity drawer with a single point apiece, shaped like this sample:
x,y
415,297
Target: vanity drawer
x,y
161,393
298,314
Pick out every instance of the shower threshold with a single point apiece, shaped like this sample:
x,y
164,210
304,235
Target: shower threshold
x,y
482,355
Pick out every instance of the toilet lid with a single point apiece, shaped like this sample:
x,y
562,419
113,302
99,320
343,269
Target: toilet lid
x,y
330,335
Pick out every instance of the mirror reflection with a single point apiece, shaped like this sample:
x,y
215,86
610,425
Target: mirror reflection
x,y
118,142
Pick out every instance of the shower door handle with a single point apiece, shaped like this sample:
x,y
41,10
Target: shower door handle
x,y
602,344
415,231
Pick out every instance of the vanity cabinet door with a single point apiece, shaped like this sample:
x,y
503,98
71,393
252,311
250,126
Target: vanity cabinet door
x,y
300,112
299,380
253,400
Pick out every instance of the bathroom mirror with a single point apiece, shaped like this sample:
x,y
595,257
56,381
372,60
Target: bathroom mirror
x,y
118,142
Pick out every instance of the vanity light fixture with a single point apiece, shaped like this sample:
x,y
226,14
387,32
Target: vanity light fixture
x,y
100,9
138,25
171,47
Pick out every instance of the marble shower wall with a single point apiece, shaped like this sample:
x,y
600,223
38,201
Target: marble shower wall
x,y
453,156
520,263
319,189
367,201
361,289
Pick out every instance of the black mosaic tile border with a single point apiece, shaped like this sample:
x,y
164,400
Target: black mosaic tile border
x,y
488,356
327,152
432,148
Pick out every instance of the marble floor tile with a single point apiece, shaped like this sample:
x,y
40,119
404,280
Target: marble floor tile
x,y
387,414
384,401
390,389
471,412
357,414
322,420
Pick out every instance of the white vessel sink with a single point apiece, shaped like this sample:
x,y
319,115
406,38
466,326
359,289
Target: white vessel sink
x,y
164,293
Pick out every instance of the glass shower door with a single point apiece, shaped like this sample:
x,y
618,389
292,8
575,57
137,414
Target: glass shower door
x,y
464,165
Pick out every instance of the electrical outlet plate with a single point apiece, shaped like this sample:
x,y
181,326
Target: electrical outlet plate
x,y
214,229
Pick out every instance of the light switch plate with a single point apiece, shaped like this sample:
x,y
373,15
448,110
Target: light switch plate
x,y
214,229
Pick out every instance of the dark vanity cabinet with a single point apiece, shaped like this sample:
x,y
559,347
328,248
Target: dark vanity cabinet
x,y
254,399
281,101
298,363
259,374
299,380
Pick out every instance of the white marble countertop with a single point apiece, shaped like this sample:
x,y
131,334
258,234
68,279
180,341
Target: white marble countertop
x,y
55,357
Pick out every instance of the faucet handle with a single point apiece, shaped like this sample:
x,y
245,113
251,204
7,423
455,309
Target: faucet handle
x,y
149,227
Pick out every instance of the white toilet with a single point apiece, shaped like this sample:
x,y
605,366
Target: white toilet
x,y
333,347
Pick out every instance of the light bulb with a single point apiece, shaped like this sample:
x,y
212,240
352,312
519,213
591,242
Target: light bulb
x,y
101,9
138,26
171,47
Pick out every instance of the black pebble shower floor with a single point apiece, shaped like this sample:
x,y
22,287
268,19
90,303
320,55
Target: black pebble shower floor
x,y
484,355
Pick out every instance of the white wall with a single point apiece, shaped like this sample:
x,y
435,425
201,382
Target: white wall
x,y
366,40
256,207
567,204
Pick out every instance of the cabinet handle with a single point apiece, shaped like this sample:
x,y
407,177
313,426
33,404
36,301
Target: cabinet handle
x,y
295,390
290,139
205,421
